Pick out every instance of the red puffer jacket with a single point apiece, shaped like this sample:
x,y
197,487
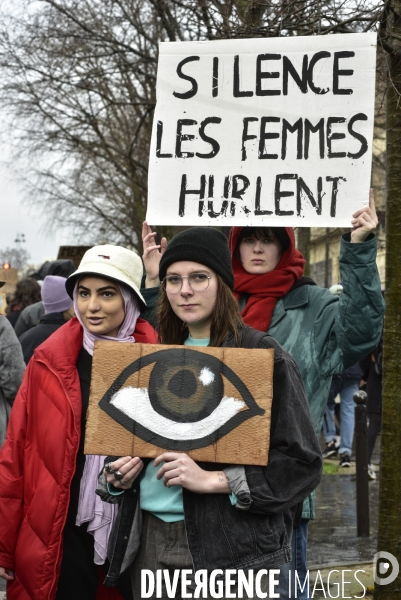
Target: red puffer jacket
x,y
37,463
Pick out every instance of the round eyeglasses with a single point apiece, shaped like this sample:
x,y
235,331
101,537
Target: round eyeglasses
x,y
198,282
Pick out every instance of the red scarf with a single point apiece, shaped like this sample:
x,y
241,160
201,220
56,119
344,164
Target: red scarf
x,y
265,290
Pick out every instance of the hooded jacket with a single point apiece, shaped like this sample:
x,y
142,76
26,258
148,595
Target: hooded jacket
x,y
37,463
327,334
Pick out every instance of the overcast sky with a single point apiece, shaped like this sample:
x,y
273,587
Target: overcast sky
x,y
17,217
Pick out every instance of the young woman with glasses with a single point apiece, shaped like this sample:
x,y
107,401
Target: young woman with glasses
x,y
323,333
181,514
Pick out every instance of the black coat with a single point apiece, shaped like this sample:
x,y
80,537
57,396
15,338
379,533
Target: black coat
x,y
13,317
35,336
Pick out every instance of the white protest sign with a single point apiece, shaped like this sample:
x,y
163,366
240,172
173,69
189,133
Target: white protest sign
x,y
274,131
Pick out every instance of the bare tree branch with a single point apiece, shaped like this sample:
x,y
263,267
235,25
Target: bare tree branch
x,y
79,85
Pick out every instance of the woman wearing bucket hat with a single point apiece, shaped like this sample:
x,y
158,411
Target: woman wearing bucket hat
x,y
203,516
47,500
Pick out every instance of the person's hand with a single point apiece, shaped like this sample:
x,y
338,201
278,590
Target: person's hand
x,y
151,255
180,469
364,221
6,574
128,467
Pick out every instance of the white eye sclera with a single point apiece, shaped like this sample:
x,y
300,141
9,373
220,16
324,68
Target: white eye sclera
x,y
135,403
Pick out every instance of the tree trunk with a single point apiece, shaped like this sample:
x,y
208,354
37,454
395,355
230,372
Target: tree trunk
x,y
389,539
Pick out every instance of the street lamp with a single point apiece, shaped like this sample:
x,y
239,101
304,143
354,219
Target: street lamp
x,y
20,239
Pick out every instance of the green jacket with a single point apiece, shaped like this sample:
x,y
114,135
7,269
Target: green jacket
x,y
326,334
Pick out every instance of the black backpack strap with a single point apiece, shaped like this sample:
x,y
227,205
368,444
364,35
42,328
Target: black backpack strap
x,y
252,337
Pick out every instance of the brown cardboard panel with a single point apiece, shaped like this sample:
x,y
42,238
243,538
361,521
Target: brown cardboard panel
x,y
146,399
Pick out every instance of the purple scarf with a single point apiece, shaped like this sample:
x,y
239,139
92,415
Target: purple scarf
x,y
91,509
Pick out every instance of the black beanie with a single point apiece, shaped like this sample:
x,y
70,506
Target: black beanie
x,y
204,245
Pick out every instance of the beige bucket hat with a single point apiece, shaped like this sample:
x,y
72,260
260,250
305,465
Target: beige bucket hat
x,y
114,262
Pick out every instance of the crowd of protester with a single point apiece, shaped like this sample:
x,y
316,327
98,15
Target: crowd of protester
x,y
108,518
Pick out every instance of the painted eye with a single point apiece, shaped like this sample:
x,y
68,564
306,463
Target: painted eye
x,y
184,406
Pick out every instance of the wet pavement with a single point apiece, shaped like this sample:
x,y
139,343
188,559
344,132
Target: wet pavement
x,y
333,537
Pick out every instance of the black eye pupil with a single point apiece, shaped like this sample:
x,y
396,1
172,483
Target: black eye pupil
x,y
183,384
179,392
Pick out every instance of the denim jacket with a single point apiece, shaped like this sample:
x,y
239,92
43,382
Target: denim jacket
x,y
267,497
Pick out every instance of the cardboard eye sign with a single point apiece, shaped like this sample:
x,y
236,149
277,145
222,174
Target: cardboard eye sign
x,y
212,403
